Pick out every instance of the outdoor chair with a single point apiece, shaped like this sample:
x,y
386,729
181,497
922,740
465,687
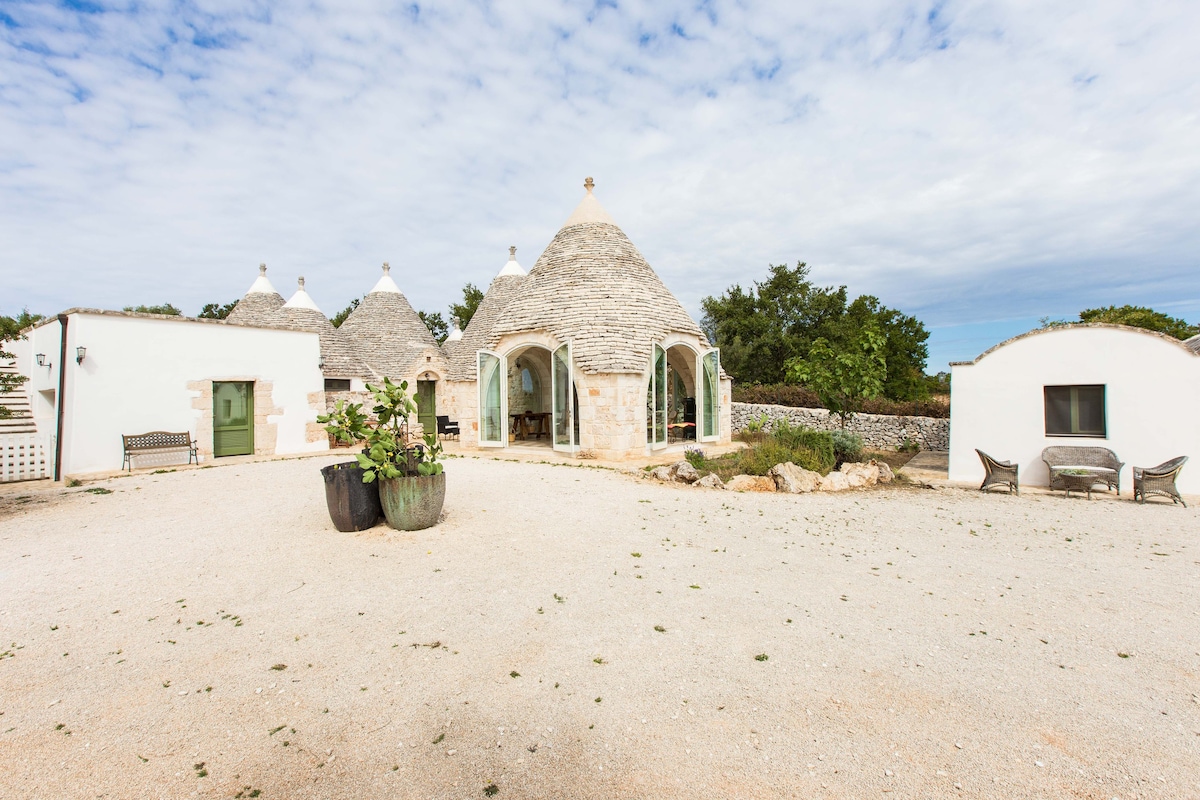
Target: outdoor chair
x,y
1158,480
999,473
445,427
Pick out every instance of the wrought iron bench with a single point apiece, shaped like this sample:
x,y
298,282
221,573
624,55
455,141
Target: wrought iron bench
x,y
1099,462
999,473
1158,480
157,442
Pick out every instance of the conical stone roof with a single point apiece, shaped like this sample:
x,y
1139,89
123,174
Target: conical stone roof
x,y
504,287
387,331
593,288
259,302
338,350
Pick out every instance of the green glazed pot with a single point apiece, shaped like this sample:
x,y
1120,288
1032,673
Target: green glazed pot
x,y
412,504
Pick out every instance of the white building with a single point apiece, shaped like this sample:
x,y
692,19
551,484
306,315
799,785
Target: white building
x,y
237,389
1131,390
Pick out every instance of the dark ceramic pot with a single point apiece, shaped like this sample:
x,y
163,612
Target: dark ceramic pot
x,y
353,505
412,504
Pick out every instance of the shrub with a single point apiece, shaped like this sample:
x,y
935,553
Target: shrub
x,y
796,396
804,447
847,446
908,446
694,456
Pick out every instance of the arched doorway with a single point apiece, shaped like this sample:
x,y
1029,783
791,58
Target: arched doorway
x,y
527,396
682,396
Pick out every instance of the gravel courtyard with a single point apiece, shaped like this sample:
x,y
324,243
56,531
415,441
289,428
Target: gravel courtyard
x,y
579,632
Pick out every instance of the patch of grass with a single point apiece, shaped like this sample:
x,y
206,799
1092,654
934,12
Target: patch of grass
x,y
560,599
660,629
279,667
201,772
598,660
761,657
694,586
598,699
98,490
636,555
73,483
514,674
491,790
274,731
440,738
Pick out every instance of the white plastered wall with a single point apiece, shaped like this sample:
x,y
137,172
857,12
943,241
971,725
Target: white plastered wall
x,y
140,374
997,403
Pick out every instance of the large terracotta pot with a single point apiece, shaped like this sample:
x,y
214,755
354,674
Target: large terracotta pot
x,y
412,504
353,505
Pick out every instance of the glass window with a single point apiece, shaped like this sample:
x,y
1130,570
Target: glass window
x,y
1075,411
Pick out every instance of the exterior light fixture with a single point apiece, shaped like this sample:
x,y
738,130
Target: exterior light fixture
x,y
321,362
80,354
41,359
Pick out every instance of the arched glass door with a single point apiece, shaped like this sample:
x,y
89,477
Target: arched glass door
x,y
492,400
710,394
566,407
656,400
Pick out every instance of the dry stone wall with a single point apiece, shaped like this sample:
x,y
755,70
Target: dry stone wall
x,y
878,431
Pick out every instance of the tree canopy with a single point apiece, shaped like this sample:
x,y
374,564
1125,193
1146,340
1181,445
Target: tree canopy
x,y
777,321
10,331
437,326
216,310
340,317
1140,317
844,378
472,297
165,308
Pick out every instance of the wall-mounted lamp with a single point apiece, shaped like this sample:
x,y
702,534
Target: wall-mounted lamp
x,y
80,354
426,376
41,359
321,362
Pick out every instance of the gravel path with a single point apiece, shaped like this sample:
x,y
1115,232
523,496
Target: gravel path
x,y
575,632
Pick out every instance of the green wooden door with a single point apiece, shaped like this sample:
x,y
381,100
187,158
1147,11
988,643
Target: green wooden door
x,y
427,405
233,419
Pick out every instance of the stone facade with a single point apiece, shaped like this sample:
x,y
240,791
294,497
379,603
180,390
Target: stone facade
x,y
878,431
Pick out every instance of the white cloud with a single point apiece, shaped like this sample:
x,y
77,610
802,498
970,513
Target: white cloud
x,y
962,161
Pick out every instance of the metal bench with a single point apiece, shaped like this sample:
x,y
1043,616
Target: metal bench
x,y
157,442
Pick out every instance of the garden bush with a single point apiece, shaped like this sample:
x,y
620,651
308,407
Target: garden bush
x,y
796,396
847,446
804,447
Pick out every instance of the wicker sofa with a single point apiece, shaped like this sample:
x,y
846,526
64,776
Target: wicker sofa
x,y
1100,461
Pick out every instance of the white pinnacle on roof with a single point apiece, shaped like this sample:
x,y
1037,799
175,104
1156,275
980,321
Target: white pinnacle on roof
x,y
589,209
512,267
261,285
386,284
455,331
301,299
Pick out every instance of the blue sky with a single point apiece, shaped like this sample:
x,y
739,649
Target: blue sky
x,y
979,165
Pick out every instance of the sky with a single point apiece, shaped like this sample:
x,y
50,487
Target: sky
x,y
979,165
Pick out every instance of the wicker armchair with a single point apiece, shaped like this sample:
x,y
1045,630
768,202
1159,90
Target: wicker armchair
x,y
999,473
1158,480
1103,461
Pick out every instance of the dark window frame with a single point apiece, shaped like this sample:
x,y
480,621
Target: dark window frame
x,y
1072,397
337,384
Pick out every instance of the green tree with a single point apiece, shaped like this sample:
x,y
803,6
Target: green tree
x,y
216,310
778,320
472,297
437,326
1140,317
165,308
10,331
845,376
340,317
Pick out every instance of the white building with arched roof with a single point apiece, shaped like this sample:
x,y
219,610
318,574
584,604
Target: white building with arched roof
x,y
1128,389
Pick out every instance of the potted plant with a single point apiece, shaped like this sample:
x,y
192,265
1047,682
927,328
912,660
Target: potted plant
x,y
412,485
353,501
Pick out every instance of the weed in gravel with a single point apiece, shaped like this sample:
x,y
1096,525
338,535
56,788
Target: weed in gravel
x,y
514,674
761,657
98,490
279,667
491,790
440,738
661,629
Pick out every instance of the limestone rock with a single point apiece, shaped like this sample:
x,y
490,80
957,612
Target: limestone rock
x,y
710,481
750,483
834,482
885,472
860,474
683,471
662,474
794,480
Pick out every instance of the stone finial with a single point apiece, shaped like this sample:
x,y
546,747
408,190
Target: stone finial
x,y
387,269
262,270
454,322
589,184
300,282
512,253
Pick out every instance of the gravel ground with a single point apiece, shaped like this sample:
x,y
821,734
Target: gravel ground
x,y
577,632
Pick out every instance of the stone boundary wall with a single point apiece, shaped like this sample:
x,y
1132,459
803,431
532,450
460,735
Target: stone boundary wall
x,y
878,431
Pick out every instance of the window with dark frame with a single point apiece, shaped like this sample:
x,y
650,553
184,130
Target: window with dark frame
x,y
1075,411
337,384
